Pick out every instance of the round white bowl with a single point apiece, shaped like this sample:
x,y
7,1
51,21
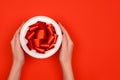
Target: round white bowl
x,y
24,41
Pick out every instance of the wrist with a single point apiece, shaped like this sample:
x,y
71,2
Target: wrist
x,y
18,63
65,63
67,70
15,70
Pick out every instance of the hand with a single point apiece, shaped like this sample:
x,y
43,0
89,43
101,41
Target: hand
x,y
18,53
18,57
66,55
67,47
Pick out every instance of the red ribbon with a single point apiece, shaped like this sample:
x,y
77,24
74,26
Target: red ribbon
x,y
32,28
41,34
41,37
30,45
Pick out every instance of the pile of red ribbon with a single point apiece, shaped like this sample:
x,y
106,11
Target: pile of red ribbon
x,y
41,37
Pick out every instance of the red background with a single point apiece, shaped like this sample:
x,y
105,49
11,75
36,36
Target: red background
x,y
94,27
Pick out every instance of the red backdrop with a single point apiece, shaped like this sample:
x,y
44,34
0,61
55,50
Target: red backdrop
x,y
93,25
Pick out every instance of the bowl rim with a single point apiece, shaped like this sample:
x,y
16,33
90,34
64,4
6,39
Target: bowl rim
x,y
24,30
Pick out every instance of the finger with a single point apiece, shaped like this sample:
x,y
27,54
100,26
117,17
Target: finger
x,y
64,40
17,39
18,31
16,36
63,29
64,43
13,41
65,32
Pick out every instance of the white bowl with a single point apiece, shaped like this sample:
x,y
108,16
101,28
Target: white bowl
x,y
24,41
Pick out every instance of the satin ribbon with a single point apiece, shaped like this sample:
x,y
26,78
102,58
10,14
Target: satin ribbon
x,y
41,37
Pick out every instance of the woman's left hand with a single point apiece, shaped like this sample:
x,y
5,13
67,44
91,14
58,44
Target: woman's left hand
x,y
18,53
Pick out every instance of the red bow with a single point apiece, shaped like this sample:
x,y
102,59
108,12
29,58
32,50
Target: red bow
x,y
41,37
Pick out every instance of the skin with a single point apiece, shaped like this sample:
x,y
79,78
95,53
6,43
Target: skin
x,y
18,57
65,56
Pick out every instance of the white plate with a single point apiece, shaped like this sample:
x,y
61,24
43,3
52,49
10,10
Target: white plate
x,y
24,30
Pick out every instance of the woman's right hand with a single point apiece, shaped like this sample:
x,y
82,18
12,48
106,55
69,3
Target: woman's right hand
x,y
66,55
67,46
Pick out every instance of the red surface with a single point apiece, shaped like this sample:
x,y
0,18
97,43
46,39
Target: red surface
x,y
93,25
